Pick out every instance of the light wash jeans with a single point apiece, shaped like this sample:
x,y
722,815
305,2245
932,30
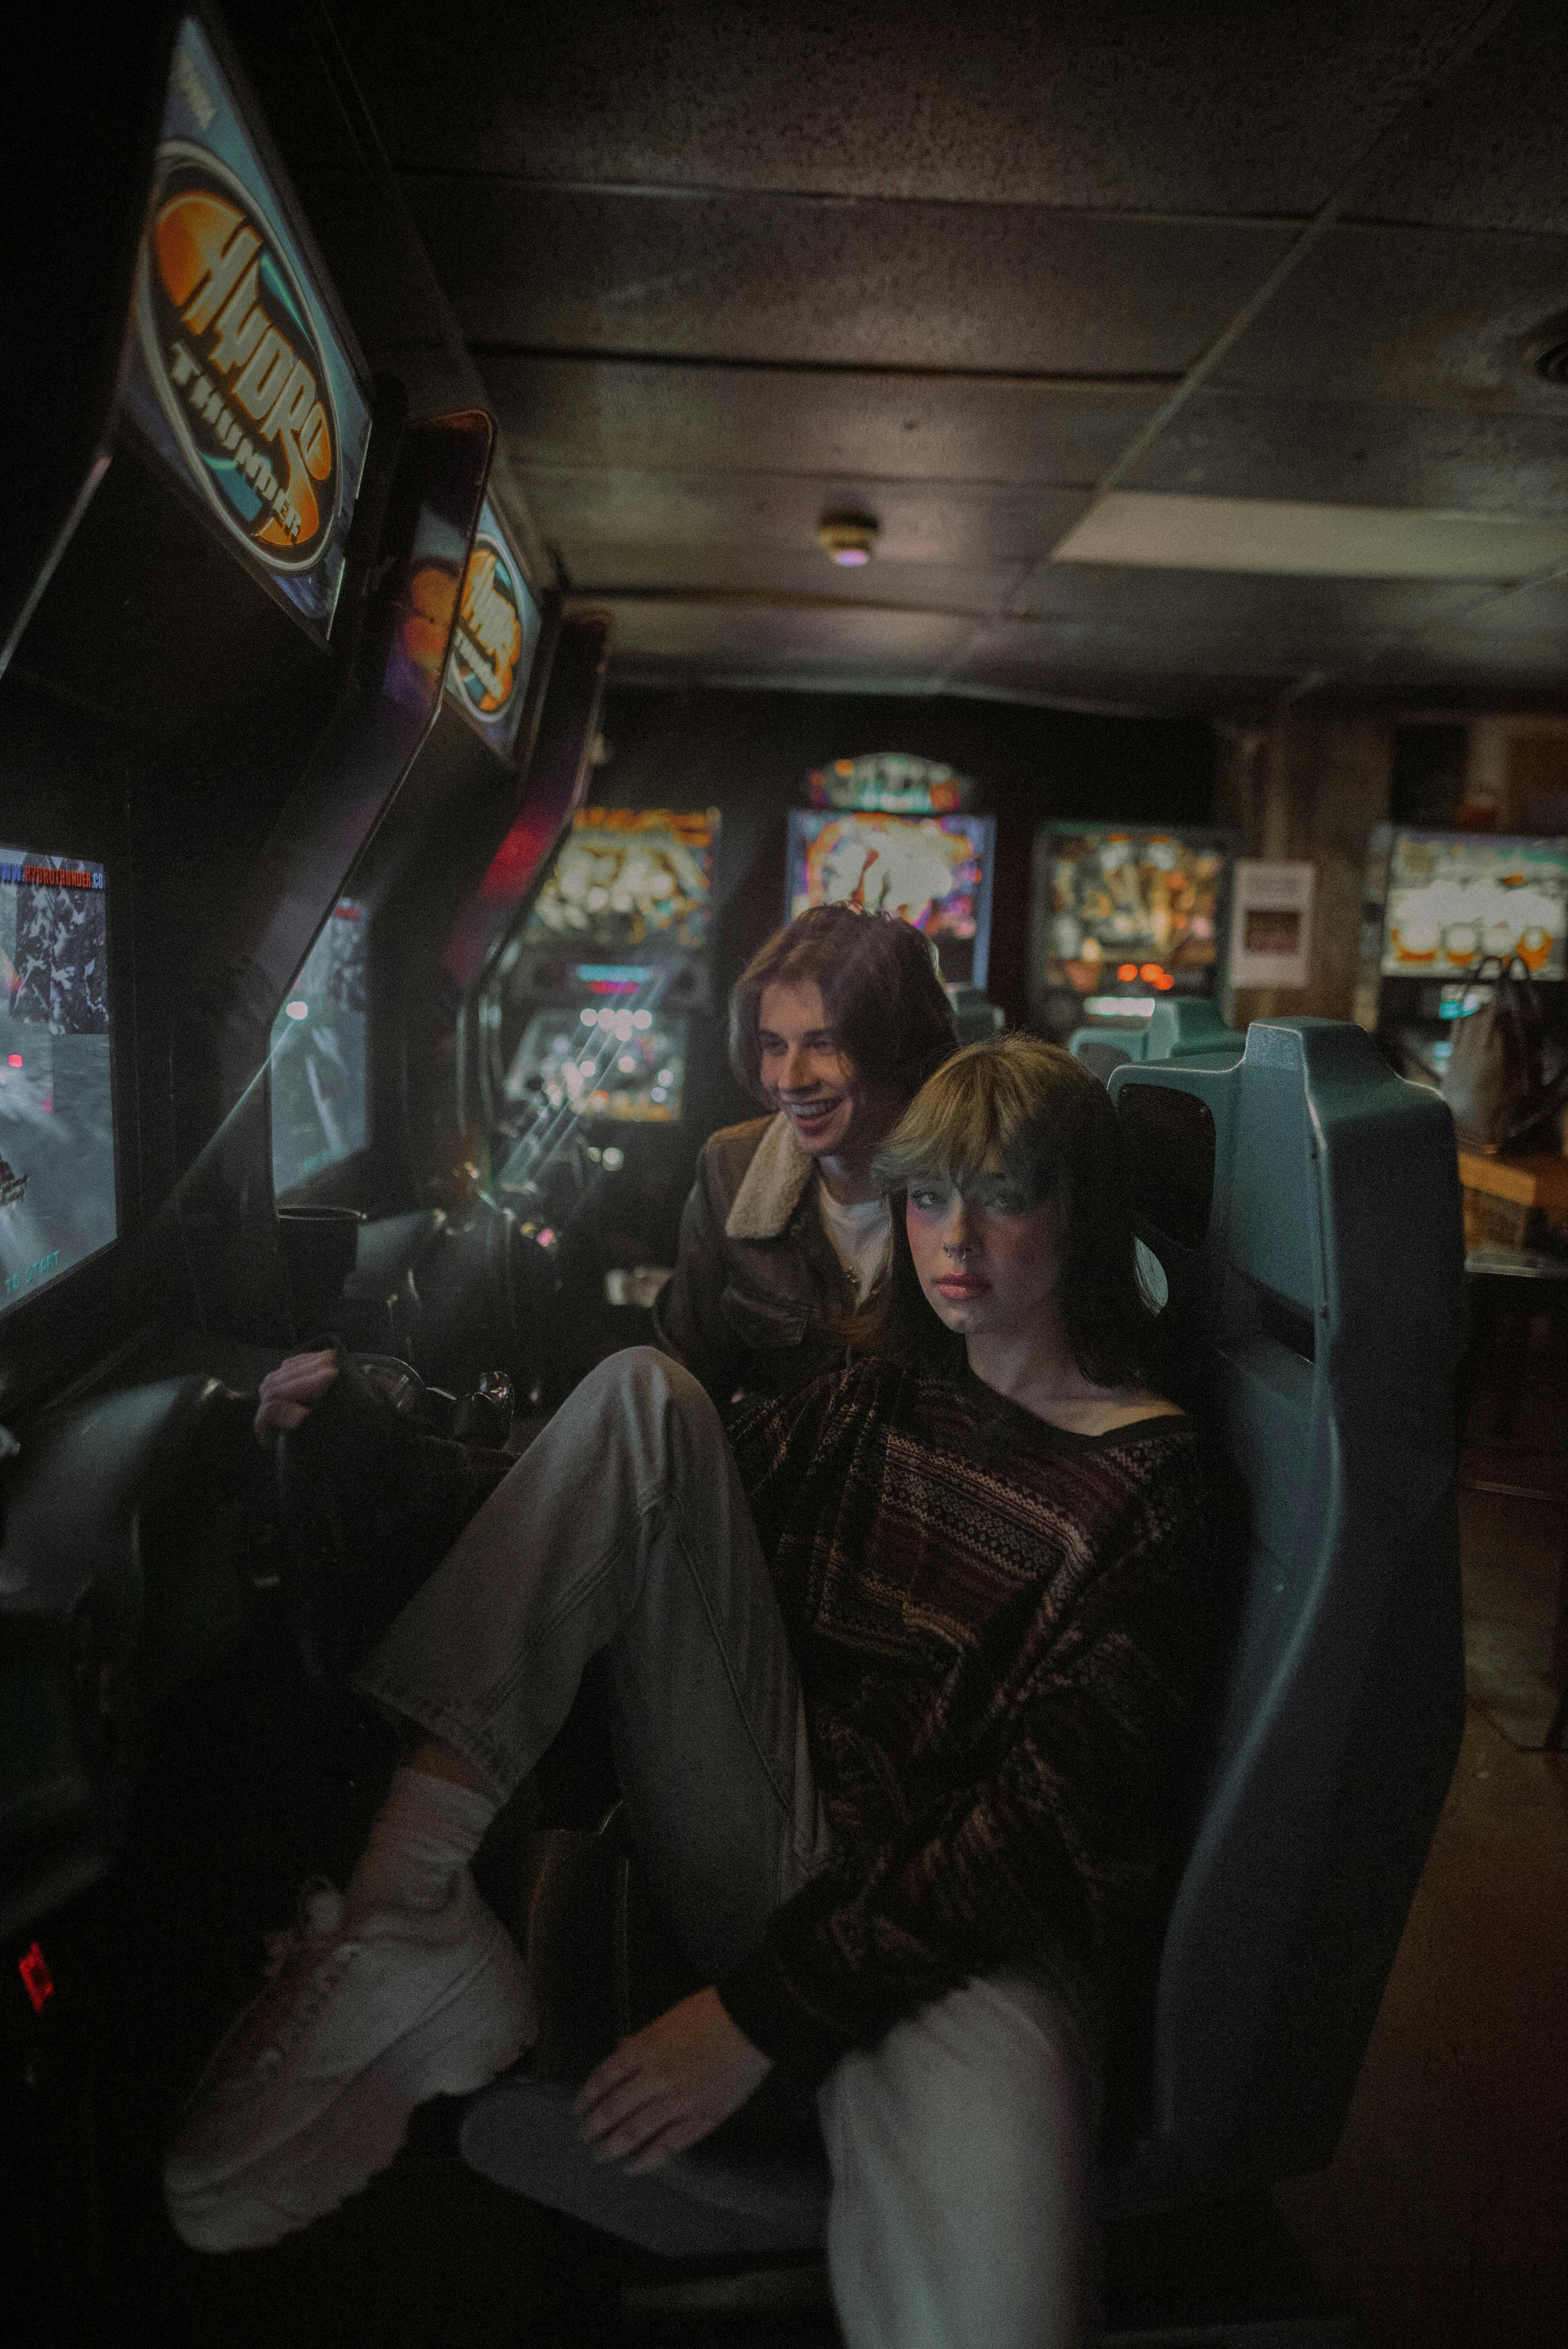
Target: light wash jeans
x,y
960,2148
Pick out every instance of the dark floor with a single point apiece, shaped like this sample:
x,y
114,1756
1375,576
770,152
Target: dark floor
x,y
1444,2216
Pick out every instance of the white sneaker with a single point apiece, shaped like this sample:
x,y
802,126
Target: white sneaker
x,y
309,2094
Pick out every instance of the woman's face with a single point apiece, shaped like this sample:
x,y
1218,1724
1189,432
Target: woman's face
x,y
988,1261
832,1110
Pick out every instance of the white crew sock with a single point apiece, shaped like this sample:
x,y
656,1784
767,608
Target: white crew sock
x,y
424,1832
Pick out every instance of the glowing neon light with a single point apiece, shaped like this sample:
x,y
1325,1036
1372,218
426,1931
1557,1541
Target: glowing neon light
x,y
37,1980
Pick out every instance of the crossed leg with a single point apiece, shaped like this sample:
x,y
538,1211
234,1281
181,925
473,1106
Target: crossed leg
x,y
958,2146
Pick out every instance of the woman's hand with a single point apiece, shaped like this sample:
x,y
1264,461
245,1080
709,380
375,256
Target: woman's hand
x,y
667,2087
289,1391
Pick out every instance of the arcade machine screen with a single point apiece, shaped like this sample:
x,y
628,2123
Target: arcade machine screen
x,y
613,952
320,1072
1123,918
57,1116
1455,897
1452,900
604,1061
933,871
628,879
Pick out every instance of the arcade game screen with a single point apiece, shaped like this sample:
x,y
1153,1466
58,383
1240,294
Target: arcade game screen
x,y
627,877
320,1075
1455,897
604,1061
1133,914
56,1113
933,871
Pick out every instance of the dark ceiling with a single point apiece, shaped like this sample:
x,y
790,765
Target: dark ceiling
x,y
723,267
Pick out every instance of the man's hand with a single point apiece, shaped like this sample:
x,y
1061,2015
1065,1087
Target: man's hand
x,y
289,1391
667,2087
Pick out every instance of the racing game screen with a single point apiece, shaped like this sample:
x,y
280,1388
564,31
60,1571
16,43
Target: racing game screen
x,y
320,1076
56,1114
630,877
933,871
1129,912
1457,897
602,1061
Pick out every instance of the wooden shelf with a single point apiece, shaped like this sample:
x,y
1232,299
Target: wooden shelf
x,y
1537,1180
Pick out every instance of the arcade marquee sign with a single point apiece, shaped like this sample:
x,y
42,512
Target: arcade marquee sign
x,y
495,636
234,368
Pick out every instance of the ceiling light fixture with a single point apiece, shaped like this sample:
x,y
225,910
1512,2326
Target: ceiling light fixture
x,y
1164,530
848,539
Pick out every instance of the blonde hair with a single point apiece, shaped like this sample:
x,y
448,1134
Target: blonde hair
x,y
989,1110
1023,1108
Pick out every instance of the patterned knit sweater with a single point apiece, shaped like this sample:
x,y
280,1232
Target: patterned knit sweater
x,y
1003,1633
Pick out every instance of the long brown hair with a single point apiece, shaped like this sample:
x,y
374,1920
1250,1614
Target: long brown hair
x,y
879,985
1025,1108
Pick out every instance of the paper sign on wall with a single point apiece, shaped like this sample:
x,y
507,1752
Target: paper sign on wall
x,y
1270,923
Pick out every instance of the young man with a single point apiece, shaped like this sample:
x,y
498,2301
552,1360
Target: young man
x,y
835,1024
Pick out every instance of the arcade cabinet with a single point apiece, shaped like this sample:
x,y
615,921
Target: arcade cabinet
x,y
235,812
1434,906
932,870
597,1021
612,959
1123,917
361,1047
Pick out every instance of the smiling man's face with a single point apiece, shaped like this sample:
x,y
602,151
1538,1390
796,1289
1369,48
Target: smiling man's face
x,y
833,1112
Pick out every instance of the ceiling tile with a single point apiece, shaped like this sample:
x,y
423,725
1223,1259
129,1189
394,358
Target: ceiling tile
x,y
776,514
1216,603
1486,151
1255,106
797,280
1246,444
1420,315
1530,623
1224,624
1378,638
970,588
1036,663
684,418
737,639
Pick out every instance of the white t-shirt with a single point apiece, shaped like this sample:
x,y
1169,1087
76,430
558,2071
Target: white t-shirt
x,y
862,1236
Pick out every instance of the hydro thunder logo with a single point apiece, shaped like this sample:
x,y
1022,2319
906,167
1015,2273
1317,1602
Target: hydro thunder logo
x,y
488,642
226,339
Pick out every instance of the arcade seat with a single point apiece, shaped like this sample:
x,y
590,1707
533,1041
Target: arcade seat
x,y
1175,1029
1303,1203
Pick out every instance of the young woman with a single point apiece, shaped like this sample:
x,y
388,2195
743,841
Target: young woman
x,y
905,1689
834,1024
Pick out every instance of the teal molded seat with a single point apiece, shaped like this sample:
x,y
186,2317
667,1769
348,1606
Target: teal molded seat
x,y
1304,1205
1177,1028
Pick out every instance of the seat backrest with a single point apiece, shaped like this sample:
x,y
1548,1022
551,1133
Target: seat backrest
x,y
1178,1027
1304,1204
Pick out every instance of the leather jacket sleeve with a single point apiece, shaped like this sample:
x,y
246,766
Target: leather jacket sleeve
x,y
688,1317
